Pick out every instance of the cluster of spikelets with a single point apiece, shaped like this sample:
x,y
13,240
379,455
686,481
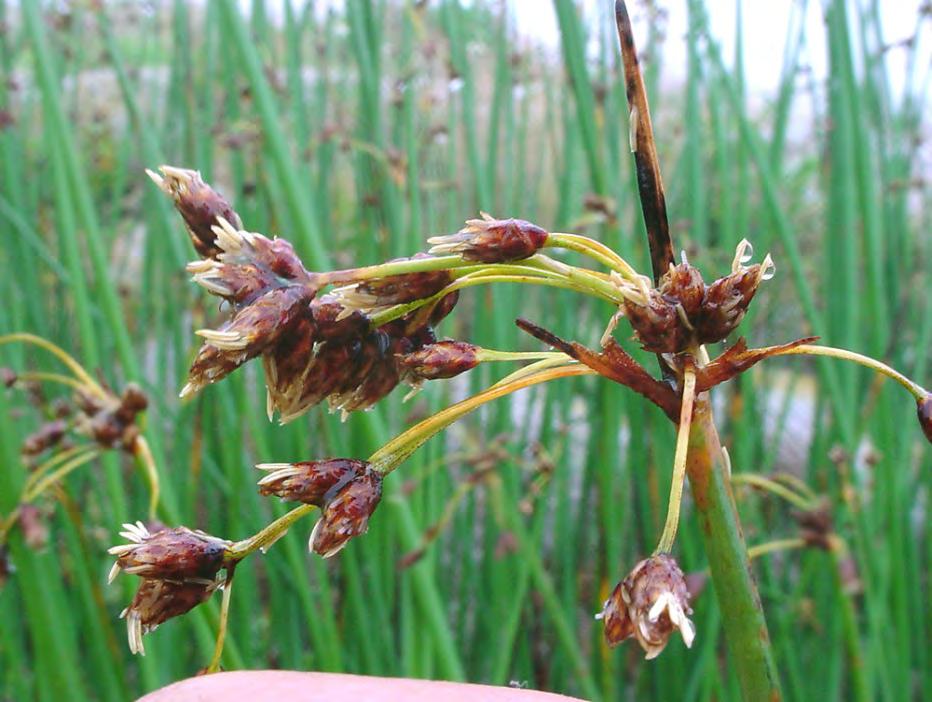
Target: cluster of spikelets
x,y
314,347
328,346
96,413
325,346
682,312
181,568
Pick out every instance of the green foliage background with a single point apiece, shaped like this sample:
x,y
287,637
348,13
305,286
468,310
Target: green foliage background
x,y
356,133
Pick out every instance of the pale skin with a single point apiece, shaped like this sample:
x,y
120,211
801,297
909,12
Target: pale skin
x,y
273,686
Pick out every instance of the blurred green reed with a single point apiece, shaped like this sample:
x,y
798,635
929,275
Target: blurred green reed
x,y
358,131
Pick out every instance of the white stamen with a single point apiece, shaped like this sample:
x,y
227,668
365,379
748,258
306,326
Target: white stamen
x,y
743,254
224,339
767,268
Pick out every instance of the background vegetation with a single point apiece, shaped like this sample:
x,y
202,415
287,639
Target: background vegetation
x,y
355,133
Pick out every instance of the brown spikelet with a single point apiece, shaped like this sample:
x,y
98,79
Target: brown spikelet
x,y
347,513
443,359
310,482
649,604
199,205
490,240
172,554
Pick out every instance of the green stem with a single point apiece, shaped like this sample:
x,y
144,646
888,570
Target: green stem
x,y
389,456
268,535
595,250
914,388
665,544
729,564
606,292
222,625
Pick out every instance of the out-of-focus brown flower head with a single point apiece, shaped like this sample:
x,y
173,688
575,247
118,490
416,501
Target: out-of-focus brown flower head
x,y
157,601
649,604
172,554
346,514
34,526
816,526
443,359
311,482
199,205
45,437
111,421
490,240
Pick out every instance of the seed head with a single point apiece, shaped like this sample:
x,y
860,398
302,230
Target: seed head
x,y
248,266
490,240
168,554
199,205
347,513
683,284
649,604
157,601
310,482
443,359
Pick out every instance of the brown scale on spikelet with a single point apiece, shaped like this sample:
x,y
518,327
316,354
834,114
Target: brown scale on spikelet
x,y
378,293
490,240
